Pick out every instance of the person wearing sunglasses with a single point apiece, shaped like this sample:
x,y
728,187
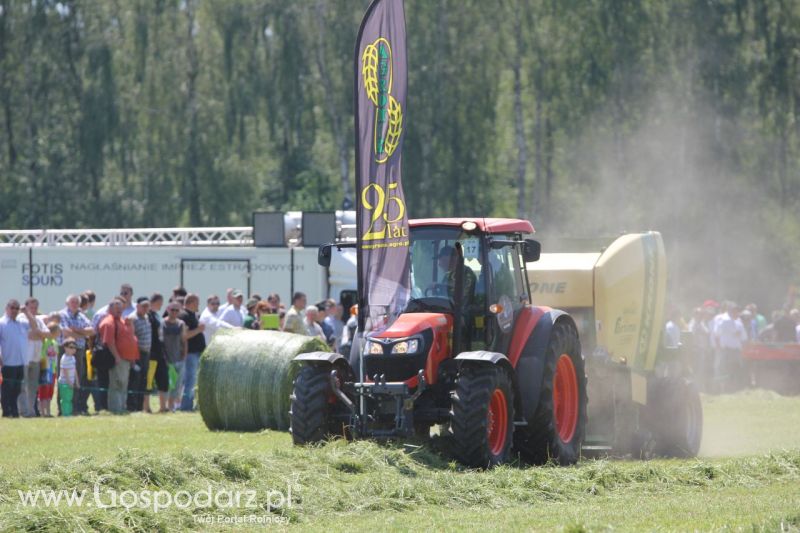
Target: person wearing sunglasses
x,y
174,332
210,318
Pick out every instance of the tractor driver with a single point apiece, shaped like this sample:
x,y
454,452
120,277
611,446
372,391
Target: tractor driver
x,y
448,262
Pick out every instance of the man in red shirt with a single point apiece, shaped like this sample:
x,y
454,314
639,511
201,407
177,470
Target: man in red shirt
x,y
119,337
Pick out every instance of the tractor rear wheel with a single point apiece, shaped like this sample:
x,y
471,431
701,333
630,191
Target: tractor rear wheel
x,y
482,416
313,406
559,425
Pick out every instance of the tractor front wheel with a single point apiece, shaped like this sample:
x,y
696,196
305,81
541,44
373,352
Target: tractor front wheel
x,y
482,416
559,425
313,406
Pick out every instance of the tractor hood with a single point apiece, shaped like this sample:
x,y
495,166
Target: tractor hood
x,y
409,324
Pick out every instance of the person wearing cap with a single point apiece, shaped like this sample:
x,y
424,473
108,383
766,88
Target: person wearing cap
x,y
137,380
251,320
195,345
233,314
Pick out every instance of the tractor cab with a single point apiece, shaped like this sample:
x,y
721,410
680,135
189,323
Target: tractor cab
x,y
472,271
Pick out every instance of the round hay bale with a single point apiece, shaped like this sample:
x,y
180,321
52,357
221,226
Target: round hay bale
x,y
246,376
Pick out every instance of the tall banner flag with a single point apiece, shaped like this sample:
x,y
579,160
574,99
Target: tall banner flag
x,y
381,215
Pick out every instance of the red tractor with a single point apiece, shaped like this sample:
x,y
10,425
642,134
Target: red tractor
x,y
469,352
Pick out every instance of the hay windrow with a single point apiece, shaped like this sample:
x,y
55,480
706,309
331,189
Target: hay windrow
x,y
245,378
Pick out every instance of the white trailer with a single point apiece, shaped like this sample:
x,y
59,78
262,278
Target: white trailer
x,y
50,264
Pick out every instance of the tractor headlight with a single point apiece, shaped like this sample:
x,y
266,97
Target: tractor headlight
x,y
409,346
373,348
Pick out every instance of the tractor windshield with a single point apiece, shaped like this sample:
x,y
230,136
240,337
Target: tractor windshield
x,y
434,263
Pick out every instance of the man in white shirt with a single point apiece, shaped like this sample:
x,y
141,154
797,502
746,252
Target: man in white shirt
x,y
313,329
14,337
233,314
672,330
26,401
730,335
211,320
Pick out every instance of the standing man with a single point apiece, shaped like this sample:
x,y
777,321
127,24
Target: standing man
x,y
312,328
137,381
294,317
196,343
14,337
117,335
125,296
228,301
210,318
26,403
76,325
233,314
731,335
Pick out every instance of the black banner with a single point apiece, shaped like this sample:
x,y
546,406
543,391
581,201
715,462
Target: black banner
x,y
381,215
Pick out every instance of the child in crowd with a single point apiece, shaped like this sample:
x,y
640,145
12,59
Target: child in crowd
x,y
49,364
67,378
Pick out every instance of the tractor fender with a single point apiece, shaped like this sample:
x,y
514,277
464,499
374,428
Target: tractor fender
x,y
336,360
530,362
320,357
484,356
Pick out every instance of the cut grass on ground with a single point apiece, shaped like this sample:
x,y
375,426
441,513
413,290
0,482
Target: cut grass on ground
x,y
366,486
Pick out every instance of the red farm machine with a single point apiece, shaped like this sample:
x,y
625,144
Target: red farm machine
x,y
469,353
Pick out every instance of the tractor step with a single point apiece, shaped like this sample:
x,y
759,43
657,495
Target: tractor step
x,y
595,448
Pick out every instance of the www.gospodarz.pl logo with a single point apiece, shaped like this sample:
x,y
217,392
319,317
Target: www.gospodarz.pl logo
x,y
376,69
158,500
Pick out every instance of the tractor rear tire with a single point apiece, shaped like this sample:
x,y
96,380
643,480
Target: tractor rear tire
x,y
482,416
559,424
677,417
313,406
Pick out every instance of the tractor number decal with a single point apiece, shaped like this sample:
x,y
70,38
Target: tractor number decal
x,y
376,68
649,301
386,213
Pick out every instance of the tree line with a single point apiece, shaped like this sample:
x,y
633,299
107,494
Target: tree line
x,y
588,117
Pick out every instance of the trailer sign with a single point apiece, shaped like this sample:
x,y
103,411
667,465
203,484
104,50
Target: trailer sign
x,y
42,274
50,273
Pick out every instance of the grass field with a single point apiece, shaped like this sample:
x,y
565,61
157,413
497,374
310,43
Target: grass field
x,y
748,478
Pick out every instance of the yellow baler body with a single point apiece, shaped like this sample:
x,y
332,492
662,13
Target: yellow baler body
x,y
622,290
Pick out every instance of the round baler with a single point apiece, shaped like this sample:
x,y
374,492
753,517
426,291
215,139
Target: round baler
x,y
641,398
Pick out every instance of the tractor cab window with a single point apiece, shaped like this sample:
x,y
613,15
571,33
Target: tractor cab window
x,y
434,266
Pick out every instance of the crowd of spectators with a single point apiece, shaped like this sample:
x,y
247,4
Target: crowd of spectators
x,y
718,333
133,348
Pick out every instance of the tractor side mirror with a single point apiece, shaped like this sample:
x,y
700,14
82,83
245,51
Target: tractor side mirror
x,y
531,250
324,255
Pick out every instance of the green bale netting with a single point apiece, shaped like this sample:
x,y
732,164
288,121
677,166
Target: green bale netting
x,y
245,378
